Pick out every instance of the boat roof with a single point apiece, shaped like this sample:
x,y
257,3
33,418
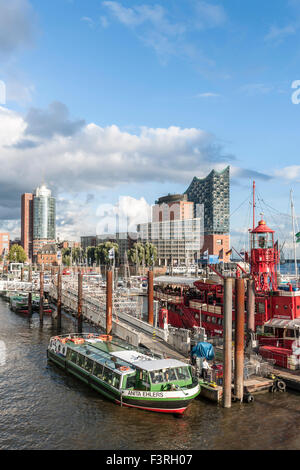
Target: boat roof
x,y
280,323
145,362
179,280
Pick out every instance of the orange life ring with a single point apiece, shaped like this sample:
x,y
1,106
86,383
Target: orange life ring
x,y
124,368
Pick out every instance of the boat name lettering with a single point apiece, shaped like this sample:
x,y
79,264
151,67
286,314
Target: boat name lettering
x,y
133,393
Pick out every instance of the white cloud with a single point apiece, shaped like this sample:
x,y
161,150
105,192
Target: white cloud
x,y
276,34
209,16
289,173
207,95
166,32
252,89
78,158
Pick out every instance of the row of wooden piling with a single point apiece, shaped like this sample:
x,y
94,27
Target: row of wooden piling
x,y
239,336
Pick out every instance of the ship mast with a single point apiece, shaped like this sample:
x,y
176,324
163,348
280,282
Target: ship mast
x,y
294,234
253,205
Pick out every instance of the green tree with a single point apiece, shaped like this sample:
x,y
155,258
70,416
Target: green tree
x,y
91,255
77,253
66,260
150,254
140,252
136,254
102,250
17,254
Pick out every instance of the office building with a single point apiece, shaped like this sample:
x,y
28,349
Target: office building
x,y
176,233
4,244
38,224
27,223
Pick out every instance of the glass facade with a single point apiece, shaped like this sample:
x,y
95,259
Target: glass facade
x,y
179,240
213,193
44,215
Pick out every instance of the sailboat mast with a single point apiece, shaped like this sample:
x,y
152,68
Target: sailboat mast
x,y
294,234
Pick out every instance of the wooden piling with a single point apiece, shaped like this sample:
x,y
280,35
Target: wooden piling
x,y
250,306
227,344
109,282
41,307
150,297
239,339
58,298
79,310
29,304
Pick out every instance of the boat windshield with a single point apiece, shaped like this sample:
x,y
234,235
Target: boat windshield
x,y
169,375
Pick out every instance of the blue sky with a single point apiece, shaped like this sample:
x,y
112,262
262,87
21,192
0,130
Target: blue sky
x,y
224,68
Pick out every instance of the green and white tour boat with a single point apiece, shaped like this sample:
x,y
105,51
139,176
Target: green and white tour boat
x,y
126,376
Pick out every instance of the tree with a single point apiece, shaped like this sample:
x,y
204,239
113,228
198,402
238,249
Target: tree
x,y
77,254
17,254
143,252
91,255
136,254
66,258
150,254
102,250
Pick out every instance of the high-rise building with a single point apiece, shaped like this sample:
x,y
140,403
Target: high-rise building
x,y
44,215
27,223
38,225
213,193
4,244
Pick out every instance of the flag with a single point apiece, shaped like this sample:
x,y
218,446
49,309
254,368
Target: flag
x,y
205,254
297,237
111,253
228,252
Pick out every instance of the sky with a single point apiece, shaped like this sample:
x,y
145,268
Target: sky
x,y
116,103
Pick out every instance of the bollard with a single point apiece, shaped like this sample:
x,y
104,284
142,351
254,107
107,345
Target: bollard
x,y
109,302
41,307
227,344
150,297
239,339
79,310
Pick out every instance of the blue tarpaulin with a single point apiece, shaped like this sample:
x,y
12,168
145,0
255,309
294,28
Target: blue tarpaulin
x,y
203,350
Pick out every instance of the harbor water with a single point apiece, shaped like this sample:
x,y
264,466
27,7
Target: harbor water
x,y
43,408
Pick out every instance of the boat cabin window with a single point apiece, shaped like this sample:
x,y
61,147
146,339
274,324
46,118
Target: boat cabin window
x,y
108,375
116,380
81,360
183,373
72,356
289,333
89,363
169,375
98,370
130,380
